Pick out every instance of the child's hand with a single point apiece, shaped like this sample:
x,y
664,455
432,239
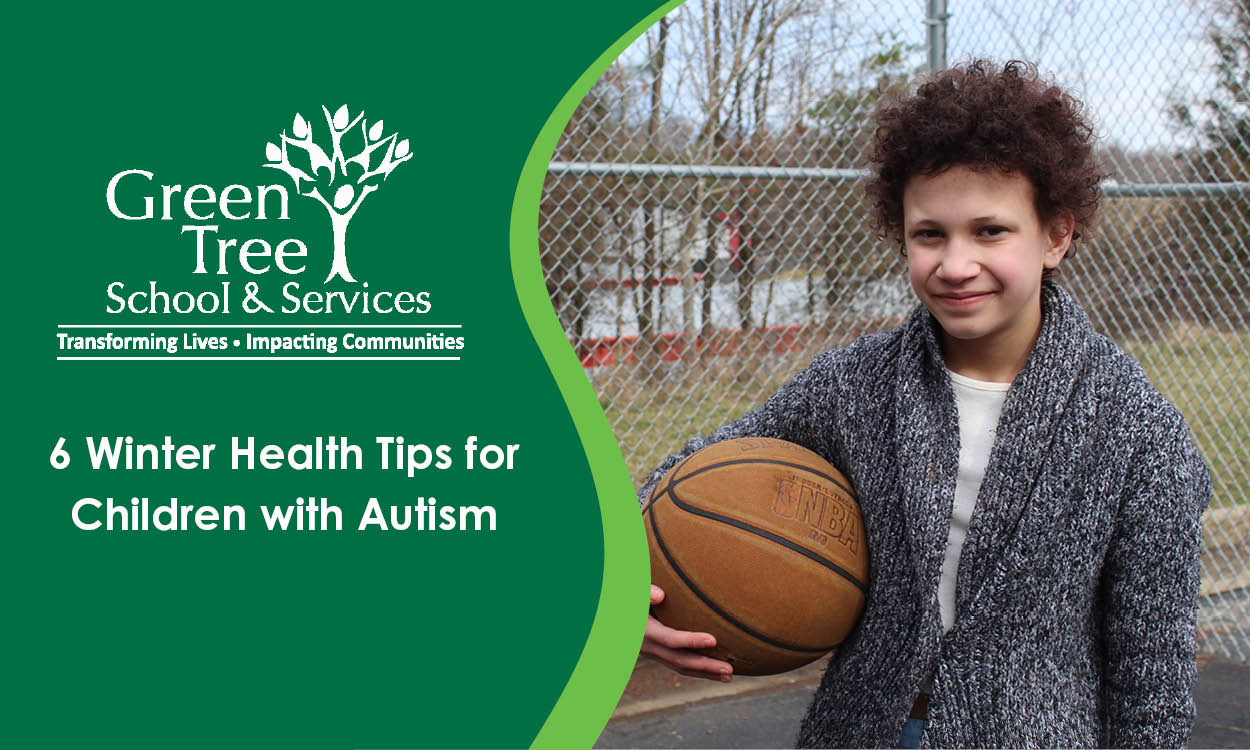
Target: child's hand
x,y
672,648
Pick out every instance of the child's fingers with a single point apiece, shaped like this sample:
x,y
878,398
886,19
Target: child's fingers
x,y
664,635
688,662
657,595
705,675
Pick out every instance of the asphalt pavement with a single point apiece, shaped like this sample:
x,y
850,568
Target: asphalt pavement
x,y
770,718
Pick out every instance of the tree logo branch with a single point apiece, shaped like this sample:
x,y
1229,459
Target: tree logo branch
x,y
316,171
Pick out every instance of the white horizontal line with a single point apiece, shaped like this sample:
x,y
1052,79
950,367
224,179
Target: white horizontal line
x,y
258,325
267,359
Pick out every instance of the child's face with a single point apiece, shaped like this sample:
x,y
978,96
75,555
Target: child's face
x,y
975,252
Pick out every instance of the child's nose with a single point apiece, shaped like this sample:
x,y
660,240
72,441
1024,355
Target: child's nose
x,y
959,262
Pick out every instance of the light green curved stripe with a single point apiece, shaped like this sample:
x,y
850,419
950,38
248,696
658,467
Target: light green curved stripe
x,y
611,647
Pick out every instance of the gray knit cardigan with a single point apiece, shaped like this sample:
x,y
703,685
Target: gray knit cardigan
x,y
1077,584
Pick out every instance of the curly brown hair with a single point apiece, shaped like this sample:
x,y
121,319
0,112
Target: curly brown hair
x,y
977,116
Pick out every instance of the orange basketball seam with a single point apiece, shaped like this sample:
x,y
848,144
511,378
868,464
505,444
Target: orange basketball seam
x,y
808,469
655,529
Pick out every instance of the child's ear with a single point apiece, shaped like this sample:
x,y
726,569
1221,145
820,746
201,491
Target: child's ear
x,y
1061,230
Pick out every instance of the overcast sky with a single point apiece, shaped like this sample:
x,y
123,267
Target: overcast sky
x,y
1124,58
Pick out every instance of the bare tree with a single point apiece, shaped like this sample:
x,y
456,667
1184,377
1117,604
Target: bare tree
x,y
733,45
717,82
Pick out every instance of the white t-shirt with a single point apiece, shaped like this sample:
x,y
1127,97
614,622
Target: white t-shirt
x,y
979,403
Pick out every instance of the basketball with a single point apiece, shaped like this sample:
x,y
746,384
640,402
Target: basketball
x,y
759,542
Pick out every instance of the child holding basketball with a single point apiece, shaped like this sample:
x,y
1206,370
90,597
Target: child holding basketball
x,y
1033,505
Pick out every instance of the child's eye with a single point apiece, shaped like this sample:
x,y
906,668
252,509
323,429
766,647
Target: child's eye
x,y
927,234
993,231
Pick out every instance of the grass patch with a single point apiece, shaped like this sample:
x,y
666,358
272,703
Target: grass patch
x,y
1205,372
655,411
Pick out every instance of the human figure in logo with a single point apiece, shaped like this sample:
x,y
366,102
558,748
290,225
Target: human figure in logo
x,y
328,168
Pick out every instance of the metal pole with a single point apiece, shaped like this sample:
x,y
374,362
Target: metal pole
x,y
725,171
936,41
637,169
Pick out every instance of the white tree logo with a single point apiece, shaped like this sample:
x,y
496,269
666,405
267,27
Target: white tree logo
x,y
319,169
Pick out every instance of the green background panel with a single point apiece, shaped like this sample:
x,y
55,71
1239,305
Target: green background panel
x,y
308,639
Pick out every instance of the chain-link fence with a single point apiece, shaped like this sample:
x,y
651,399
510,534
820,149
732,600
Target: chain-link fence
x,y
703,233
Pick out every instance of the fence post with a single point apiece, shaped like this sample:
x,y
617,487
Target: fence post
x,y
935,42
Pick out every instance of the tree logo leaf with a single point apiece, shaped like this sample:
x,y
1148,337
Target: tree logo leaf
x,y
318,170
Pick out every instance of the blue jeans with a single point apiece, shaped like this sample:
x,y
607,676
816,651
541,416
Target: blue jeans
x,y
911,733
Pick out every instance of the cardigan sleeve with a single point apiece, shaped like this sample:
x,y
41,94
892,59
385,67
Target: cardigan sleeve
x,y
1150,586
801,412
